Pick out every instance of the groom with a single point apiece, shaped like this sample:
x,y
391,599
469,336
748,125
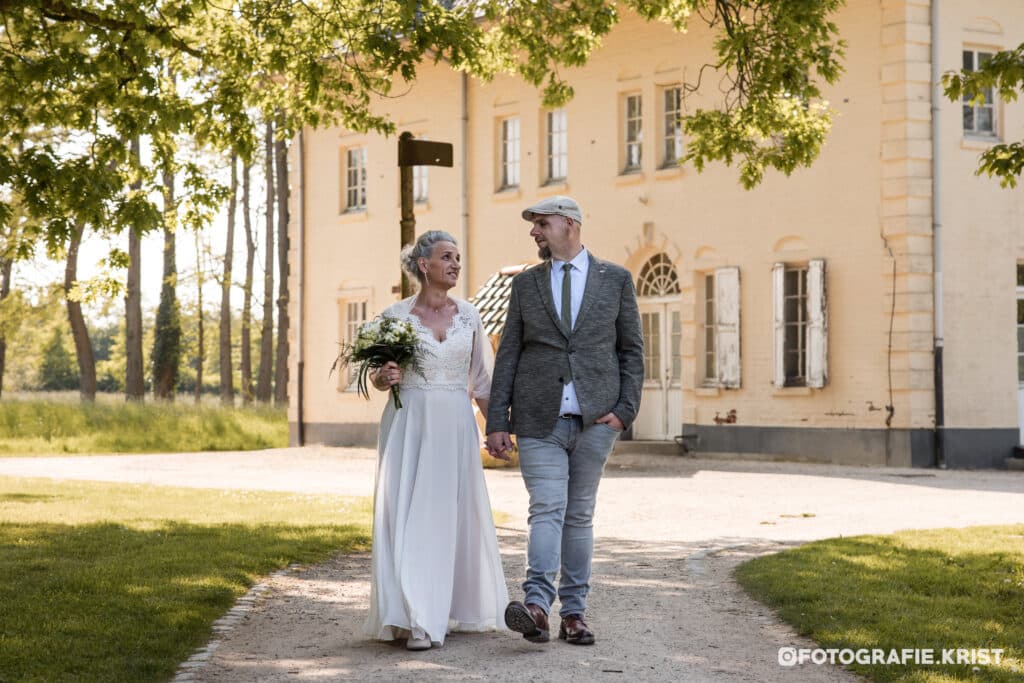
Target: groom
x,y
570,368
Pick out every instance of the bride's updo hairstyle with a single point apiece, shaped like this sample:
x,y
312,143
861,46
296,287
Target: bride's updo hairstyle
x,y
422,248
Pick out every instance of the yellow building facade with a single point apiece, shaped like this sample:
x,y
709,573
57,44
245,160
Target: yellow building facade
x,y
796,320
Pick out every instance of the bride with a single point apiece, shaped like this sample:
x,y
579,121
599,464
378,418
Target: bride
x,y
436,566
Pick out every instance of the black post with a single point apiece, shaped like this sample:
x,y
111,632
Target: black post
x,y
408,222
415,153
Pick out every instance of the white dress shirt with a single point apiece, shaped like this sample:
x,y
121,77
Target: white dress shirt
x,y
580,265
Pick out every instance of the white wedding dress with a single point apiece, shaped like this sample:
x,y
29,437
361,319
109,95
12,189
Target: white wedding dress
x,y
436,566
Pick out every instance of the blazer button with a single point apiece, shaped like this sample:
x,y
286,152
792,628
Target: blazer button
x,y
561,380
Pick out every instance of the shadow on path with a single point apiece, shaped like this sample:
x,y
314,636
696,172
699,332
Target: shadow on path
x,y
661,612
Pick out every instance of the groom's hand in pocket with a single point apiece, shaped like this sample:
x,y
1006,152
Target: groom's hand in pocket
x,y
612,420
498,445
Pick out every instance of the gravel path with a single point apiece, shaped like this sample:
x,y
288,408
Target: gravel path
x,y
664,605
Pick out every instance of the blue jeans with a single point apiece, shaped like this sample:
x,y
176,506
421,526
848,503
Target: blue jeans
x,y
562,471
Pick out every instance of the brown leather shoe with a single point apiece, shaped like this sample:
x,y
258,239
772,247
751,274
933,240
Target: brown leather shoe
x,y
575,631
530,620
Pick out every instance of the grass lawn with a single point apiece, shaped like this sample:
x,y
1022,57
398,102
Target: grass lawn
x,y
55,427
936,589
122,582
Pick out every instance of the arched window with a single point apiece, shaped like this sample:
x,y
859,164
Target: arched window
x,y
657,277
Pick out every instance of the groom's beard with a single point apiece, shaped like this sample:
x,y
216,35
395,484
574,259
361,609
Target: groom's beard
x,y
544,252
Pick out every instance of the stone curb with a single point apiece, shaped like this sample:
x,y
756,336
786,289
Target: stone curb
x,y
222,627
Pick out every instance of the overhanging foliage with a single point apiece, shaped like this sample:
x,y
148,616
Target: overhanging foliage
x,y
93,75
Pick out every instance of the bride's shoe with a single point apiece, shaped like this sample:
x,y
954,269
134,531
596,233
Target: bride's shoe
x,y
417,643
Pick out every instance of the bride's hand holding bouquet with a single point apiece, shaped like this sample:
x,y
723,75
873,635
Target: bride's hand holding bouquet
x,y
383,348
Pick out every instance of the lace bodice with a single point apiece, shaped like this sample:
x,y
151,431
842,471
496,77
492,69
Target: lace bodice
x,y
462,361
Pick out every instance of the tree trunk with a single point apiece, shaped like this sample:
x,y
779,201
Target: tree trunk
x,y
167,332
6,266
250,259
80,333
281,375
6,270
263,383
201,354
227,388
134,384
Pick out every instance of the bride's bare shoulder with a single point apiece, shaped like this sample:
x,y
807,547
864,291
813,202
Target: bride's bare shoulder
x,y
399,308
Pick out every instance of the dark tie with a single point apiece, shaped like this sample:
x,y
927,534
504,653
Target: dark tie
x,y
567,298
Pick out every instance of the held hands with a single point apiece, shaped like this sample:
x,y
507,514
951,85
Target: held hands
x,y
386,376
498,445
612,420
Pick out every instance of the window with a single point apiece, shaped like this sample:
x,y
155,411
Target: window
x,y
355,179
658,277
420,185
979,119
633,133
795,352
801,341
651,327
557,154
354,312
676,330
654,345
509,153
673,126
721,366
710,366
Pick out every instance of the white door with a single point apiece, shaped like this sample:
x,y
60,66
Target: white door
x,y
661,409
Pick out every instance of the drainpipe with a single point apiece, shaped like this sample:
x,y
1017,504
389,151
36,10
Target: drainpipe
x,y
465,185
301,301
937,95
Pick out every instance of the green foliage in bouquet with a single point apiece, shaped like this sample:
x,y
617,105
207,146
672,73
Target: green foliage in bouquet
x,y
378,341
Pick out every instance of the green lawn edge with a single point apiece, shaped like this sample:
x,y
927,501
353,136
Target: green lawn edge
x,y
49,427
123,582
934,589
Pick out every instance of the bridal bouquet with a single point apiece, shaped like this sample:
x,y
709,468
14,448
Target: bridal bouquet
x,y
378,341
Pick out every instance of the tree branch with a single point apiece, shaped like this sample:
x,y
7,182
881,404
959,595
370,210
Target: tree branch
x,y
59,10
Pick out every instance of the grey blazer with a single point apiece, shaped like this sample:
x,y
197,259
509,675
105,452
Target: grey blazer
x,y
605,352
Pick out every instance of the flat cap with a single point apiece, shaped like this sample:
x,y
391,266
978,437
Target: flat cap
x,y
557,205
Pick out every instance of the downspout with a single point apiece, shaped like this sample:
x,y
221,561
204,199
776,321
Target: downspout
x,y
937,94
465,186
301,299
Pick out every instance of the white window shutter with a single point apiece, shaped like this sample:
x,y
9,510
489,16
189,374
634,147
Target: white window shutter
x,y
727,326
817,325
779,324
